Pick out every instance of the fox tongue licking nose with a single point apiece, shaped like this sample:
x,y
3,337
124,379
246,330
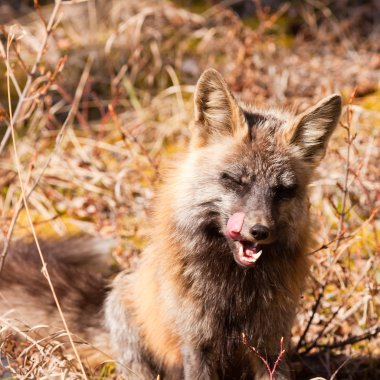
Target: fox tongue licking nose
x,y
248,252
234,225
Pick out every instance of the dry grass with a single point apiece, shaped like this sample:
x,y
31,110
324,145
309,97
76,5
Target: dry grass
x,y
110,94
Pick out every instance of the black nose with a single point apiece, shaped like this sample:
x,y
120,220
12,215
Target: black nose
x,y
260,232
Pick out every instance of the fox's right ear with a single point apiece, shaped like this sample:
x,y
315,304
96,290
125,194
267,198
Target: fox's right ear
x,y
309,134
216,110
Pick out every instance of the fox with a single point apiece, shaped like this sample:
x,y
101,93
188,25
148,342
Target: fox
x,y
227,258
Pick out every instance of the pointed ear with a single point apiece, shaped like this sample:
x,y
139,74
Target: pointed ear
x,y
216,110
310,132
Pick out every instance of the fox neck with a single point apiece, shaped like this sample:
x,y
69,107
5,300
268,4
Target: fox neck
x,y
209,276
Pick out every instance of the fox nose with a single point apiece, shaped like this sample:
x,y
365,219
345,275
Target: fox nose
x,y
260,232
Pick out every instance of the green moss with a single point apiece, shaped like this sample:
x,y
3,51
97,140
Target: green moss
x,y
21,79
251,22
195,6
43,227
279,30
372,102
138,241
192,43
285,40
107,371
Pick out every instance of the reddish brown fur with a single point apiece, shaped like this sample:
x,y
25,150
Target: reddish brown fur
x,y
188,301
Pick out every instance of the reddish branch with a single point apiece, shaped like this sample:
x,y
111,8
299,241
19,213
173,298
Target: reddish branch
x,y
340,235
272,370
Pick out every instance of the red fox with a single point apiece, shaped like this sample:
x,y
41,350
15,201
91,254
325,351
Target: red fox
x,y
228,243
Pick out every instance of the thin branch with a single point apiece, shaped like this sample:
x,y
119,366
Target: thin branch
x,y
332,317
8,66
369,334
340,233
70,116
343,212
310,321
271,371
327,245
125,135
25,92
29,217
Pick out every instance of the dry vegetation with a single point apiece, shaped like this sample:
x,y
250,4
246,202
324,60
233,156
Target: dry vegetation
x,y
93,97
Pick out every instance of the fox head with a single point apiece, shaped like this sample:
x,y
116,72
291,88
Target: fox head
x,y
245,178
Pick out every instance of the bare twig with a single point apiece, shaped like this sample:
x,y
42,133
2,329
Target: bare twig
x,y
25,92
350,139
309,347
271,371
126,136
310,320
23,193
69,119
369,334
339,234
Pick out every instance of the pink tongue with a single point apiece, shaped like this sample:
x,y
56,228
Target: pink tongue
x,y
234,225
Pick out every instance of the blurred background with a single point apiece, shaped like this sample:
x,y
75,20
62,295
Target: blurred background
x,y
99,95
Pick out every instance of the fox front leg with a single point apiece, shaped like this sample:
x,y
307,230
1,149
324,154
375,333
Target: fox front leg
x,y
197,363
124,335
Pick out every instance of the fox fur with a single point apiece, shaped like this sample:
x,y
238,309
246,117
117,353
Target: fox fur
x,y
76,267
182,312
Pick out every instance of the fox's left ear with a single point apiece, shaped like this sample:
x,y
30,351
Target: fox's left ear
x,y
217,113
309,133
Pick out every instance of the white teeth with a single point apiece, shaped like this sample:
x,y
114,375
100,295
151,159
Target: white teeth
x,y
258,254
248,255
253,257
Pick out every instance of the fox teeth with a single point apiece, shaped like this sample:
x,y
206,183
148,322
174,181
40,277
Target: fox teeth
x,y
254,257
257,255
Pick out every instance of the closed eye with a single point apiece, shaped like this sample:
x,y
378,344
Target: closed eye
x,y
229,179
282,192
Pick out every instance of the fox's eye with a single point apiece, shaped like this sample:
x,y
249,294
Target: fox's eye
x,y
230,180
285,192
